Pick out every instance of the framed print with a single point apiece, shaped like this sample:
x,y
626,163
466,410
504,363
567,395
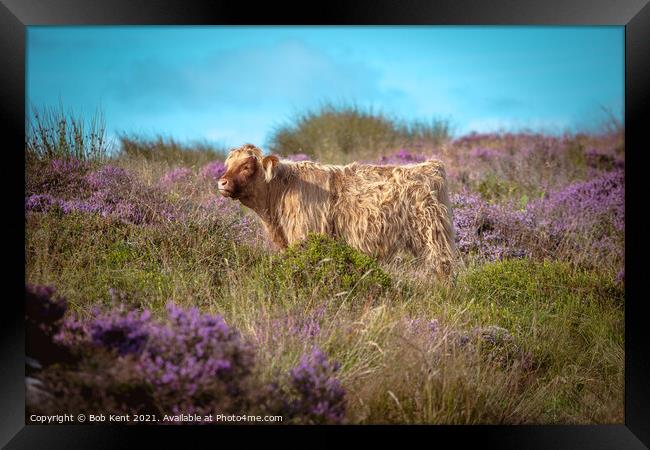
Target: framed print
x,y
371,218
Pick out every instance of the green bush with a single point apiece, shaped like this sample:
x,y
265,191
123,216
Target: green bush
x,y
352,133
551,306
524,281
328,266
497,189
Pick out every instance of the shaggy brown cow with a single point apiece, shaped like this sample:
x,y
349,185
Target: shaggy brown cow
x,y
379,210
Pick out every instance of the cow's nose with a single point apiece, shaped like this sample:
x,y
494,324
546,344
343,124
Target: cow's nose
x,y
223,183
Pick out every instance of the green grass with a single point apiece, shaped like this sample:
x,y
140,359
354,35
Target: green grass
x,y
495,189
562,361
86,255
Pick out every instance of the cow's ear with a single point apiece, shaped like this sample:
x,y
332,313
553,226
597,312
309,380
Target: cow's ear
x,y
268,164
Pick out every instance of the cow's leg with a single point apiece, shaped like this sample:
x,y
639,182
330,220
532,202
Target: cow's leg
x,y
434,258
432,243
276,236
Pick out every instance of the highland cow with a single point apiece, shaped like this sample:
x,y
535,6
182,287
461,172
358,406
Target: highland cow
x,y
379,210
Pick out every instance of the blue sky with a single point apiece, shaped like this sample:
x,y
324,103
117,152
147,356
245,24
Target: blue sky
x,y
230,85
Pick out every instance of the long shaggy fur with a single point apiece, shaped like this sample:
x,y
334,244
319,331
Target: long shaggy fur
x,y
379,210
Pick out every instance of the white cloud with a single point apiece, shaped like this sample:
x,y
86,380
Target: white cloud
x,y
289,72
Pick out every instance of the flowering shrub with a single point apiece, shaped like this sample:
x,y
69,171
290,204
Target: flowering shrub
x,y
585,219
194,356
126,333
107,191
108,178
216,204
588,213
177,175
584,205
620,277
57,177
491,231
39,202
213,170
420,327
308,326
187,362
325,265
485,153
298,157
319,396
193,363
402,157
236,226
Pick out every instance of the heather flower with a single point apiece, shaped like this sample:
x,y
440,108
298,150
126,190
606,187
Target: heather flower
x,y
588,216
298,157
126,333
213,170
320,396
309,327
108,176
109,191
192,354
39,202
195,362
248,229
402,157
240,227
620,277
176,175
299,325
73,332
492,231
485,153
83,206
596,205
57,177
220,205
186,362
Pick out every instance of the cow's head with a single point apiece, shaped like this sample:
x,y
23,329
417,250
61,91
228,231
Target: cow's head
x,y
247,172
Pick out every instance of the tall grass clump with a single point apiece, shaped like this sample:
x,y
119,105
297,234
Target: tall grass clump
x,y
345,132
53,133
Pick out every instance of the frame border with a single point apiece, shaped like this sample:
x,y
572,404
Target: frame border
x,y
16,15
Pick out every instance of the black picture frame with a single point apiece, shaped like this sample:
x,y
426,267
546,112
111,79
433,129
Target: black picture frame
x,y
15,15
